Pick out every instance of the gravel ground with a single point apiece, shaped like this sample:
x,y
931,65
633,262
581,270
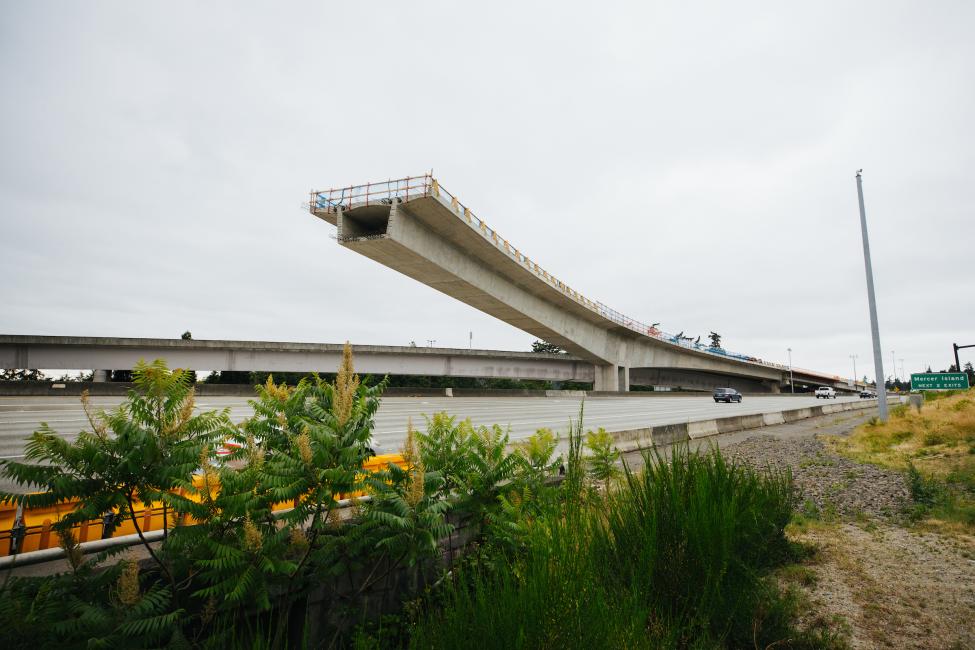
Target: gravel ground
x,y
833,483
894,587
828,482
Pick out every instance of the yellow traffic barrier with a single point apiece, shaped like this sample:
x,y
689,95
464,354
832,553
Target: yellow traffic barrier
x,y
30,529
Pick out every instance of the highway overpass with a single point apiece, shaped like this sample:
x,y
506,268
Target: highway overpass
x,y
415,226
61,352
109,353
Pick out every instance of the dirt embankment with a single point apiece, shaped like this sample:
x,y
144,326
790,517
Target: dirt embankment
x,y
888,582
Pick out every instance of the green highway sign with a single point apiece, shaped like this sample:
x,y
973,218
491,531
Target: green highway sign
x,y
939,381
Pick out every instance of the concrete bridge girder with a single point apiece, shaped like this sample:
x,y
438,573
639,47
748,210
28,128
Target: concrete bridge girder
x,y
427,240
410,247
434,258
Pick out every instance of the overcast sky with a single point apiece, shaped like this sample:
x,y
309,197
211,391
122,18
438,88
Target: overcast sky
x,y
689,163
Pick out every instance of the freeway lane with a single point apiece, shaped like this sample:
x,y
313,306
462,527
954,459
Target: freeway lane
x,y
19,416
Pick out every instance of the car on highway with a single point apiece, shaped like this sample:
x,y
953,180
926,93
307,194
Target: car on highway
x,y
726,395
825,392
867,394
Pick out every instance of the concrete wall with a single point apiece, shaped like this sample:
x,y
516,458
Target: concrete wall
x,y
668,434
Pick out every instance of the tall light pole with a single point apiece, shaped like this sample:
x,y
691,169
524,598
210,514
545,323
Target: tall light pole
x,y
878,361
792,384
854,357
893,366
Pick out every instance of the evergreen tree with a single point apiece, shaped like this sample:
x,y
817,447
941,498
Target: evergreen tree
x,y
22,374
548,348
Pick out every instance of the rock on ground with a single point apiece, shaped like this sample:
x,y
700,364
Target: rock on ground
x,y
832,483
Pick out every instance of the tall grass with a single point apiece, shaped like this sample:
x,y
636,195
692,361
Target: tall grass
x,y
693,533
674,557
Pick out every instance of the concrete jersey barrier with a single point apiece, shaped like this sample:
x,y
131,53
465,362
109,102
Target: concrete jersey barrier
x,y
668,434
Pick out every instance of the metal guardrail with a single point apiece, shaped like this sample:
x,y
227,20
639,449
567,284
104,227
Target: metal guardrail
x,y
413,187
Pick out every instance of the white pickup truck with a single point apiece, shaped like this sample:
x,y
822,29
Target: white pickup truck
x,y
825,392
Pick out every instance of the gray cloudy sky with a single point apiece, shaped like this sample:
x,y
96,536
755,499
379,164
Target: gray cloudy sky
x,y
690,163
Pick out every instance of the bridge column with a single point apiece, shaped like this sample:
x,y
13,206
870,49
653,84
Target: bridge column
x,y
100,375
606,378
612,378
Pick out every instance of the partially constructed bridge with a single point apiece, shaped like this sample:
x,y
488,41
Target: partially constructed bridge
x,y
417,227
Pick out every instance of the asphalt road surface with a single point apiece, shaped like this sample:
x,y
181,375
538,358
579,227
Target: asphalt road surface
x,y
19,416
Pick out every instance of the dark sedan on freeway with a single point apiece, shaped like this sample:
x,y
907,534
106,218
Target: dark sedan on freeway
x,y
726,395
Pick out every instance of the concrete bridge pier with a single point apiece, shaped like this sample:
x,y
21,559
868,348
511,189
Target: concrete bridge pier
x,y
612,378
101,375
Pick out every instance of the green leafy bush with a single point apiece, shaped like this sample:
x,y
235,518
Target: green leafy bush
x,y
305,445
447,447
538,454
924,491
604,455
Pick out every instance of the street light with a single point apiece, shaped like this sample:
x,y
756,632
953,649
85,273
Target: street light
x,y
792,384
854,357
878,360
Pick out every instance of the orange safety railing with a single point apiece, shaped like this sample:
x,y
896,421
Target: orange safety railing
x,y
344,198
32,529
415,187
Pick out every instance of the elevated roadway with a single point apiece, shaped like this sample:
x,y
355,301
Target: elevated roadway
x,y
100,353
415,226
123,353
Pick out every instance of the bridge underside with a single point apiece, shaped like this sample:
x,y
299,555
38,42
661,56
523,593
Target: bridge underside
x,y
698,380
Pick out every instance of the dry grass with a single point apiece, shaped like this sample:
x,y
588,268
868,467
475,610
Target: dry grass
x,y
938,441
888,586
